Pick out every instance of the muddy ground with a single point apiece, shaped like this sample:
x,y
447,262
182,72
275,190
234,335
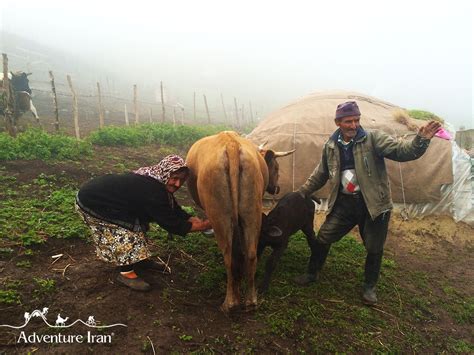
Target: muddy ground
x,y
177,316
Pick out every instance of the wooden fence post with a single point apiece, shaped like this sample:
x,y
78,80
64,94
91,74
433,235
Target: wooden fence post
x,y
182,115
207,110
55,101
135,104
237,121
174,116
101,109
126,116
151,115
242,116
163,114
9,109
194,106
251,112
223,107
75,108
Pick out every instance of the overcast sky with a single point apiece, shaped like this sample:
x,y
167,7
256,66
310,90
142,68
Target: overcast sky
x,y
416,54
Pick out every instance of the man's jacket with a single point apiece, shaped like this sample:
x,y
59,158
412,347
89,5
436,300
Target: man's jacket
x,y
370,149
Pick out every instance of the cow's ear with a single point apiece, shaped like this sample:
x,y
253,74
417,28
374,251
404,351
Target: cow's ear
x,y
28,74
269,156
274,232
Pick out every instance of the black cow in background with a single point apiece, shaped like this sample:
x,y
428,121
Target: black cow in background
x,y
291,214
20,87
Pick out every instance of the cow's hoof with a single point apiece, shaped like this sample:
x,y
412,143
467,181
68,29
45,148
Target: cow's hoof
x,y
251,306
229,308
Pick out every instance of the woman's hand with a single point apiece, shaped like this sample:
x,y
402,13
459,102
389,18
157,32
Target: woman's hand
x,y
198,224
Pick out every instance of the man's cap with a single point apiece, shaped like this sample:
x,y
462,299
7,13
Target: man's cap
x,y
348,108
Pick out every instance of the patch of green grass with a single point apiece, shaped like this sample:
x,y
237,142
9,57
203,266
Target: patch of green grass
x,y
7,179
420,279
146,346
189,209
30,218
422,309
24,264
461,309
45,286
424,115
9,297
166,134
121,167
460,346
38,144
6,251
29,252
185,337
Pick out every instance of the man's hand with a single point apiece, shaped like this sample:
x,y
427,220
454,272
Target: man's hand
x,y
428,131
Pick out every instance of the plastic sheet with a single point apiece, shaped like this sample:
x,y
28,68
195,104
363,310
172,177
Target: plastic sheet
x,y
457,199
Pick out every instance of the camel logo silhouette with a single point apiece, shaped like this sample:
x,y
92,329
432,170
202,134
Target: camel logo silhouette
x,y
60,321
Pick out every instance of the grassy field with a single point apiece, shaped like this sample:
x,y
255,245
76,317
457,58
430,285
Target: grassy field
x,y
422,309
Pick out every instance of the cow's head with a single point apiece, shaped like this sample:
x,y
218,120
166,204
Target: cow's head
x,y
270,157
20,82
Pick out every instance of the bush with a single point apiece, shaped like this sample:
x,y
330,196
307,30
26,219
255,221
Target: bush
x,y
8,147
424,115
37,144
178,136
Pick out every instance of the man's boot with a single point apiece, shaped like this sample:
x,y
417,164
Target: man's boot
x,y
319,252
369,297
373,262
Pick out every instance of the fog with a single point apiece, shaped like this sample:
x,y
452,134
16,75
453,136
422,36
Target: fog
x,y
417,55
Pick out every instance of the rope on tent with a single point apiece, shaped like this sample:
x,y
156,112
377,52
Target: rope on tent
x,y
404,212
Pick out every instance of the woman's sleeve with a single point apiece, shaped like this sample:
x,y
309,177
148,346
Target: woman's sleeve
x,y
174,220
179,210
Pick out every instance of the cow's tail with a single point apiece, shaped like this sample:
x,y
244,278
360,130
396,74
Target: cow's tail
x,y
238,257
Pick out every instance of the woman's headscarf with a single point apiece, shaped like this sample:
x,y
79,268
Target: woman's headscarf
x,y
163,170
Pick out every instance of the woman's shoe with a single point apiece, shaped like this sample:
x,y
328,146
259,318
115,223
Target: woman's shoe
x,y
137,284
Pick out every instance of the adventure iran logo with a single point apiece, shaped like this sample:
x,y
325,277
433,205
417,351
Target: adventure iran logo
x,y
59,338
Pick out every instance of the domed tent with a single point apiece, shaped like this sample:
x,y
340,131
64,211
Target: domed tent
x,y
431,184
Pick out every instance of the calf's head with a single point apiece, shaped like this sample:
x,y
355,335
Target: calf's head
x,y
269,230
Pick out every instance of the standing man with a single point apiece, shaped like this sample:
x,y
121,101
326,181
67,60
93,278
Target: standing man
x,y
353,161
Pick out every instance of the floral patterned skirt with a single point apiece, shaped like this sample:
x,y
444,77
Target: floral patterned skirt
x,y
115,244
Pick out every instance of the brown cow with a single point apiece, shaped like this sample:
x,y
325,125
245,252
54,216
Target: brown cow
x,y
228,177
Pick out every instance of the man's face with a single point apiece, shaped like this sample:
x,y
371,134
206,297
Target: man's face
x,y
176,180
348,126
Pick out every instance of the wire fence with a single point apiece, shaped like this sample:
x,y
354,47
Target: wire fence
x,y
54,101
116,109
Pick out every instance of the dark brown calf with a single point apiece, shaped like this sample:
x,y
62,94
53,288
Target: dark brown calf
x,y
292,213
